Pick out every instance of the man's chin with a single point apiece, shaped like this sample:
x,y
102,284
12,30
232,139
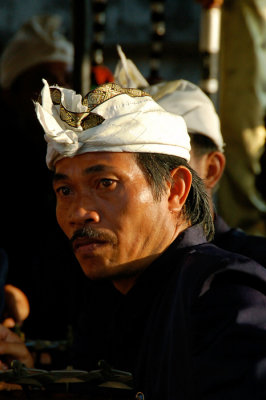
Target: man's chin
x,y
94,273
99,272
95,270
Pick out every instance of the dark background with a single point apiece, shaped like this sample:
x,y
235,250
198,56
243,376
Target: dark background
x,y
127,24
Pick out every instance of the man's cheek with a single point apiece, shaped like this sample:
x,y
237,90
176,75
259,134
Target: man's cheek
x,y
61,220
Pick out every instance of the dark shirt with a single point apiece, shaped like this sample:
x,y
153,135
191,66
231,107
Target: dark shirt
x,y
192,327
237,241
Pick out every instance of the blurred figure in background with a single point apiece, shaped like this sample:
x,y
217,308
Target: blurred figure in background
x,y
207,157
40,261
36,51
242,111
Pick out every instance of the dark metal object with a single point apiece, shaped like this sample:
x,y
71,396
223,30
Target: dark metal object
x,y
81,46
209,47
104,376
99,19
157,12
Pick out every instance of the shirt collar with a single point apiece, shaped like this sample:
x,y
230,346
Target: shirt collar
x,y
191,236
220,226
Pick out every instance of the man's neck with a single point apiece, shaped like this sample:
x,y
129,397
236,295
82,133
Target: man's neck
x,y
125,284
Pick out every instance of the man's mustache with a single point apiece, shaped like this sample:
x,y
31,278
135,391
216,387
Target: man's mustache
x,y
93,234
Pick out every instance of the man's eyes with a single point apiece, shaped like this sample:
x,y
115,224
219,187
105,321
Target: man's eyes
x,y
63,190
106,183
103,183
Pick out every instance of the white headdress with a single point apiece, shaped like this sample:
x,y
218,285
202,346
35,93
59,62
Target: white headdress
x,y
37,41
127,74
110,119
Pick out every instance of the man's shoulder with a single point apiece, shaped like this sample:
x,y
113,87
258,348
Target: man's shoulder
x,y
236,240
211,254
195,257
206,263
210,257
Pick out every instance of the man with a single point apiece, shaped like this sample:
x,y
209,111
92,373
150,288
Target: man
x,y
207,157
185,317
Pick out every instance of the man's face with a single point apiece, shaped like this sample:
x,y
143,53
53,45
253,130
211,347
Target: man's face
x,y
108,194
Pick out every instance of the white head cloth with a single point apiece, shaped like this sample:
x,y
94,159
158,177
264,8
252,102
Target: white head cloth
x,y
37,41
108,119
188,100
127,74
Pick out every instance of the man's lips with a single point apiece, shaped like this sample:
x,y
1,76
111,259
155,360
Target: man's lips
x,y
81,243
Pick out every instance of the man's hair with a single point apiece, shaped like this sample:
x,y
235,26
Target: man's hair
x,y
157,170
201,144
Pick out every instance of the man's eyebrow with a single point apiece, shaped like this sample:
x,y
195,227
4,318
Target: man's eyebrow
x,y
95,168
59,177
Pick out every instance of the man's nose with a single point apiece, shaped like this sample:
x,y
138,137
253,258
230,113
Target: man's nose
x,y
83,213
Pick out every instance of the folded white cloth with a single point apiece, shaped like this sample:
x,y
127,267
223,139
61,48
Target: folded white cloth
x,y
37,41
108,119
127,74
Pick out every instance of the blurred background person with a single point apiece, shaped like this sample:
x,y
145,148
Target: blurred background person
x,y
207,157
242,110
40,261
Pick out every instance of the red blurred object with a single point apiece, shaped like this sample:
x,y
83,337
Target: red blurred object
x,y
101,74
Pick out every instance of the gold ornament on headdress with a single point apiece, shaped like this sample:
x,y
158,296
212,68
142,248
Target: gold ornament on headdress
x,y
93,99
105,92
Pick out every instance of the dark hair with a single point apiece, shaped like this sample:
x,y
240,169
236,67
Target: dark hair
x,y
157,170
201,144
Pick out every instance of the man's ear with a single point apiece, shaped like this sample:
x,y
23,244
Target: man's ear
x,y
215,164
180,187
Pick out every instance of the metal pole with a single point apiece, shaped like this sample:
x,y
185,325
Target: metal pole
x,y
209,46
157,10
98,36
81,74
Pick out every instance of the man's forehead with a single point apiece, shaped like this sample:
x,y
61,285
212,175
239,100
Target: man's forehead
x,y
95,161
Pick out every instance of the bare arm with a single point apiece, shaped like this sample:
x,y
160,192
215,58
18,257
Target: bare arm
x,y
17,307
